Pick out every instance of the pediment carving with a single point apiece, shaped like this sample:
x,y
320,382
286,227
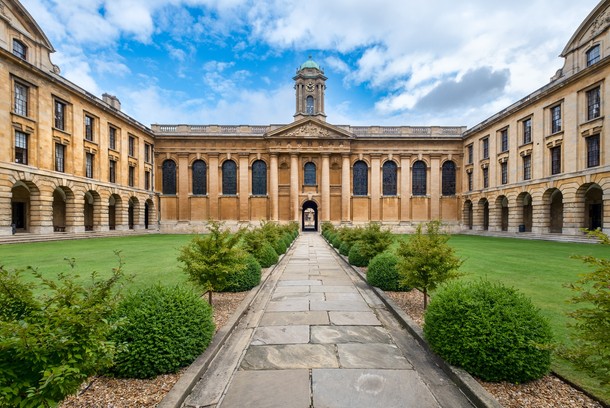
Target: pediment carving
x,y
599,24
310,130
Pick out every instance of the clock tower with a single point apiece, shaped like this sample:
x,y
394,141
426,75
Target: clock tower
x,y
310,84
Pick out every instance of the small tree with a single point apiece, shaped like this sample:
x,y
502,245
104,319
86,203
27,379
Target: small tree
x,y
209,259
51,343
592,335
426,260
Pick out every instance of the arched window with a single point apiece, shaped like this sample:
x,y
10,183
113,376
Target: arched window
x,y
259,178
448,178
309,105
389,178
229,178
419,178
361,178
309,174
593,55
169,177
199,178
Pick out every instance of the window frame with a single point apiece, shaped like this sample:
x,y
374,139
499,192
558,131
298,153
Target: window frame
x,y
527,130
527,167
148,150
23,53
504,172
89,164
169,177
310,174
112,171
131,176
556,118
486,177
593,55
199,178
360,178
259,178
485,147
555,160
59,112
504,140
593,150
112,137
389,172
309,105
470,180
21,98
448,178
419,178
60,159
229,178
146,180
593,102
88,125
470,150
21,145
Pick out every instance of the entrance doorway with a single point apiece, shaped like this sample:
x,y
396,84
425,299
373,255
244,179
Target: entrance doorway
x,y
310,216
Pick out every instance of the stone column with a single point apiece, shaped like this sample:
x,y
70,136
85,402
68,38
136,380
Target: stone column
x,y
184,189
41,214
274,187
346,205
541,217
435,187
375,189
515,216
404,188
573,214
325,204
495,217
244,187
606,211
213,186
294,186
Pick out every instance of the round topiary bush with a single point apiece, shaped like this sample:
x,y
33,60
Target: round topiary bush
x,y
247,278
492,331
162,329
344,248
383,274
279,246
356,257
266,255
287,238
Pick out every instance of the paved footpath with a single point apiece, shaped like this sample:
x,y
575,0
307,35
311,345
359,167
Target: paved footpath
x,y
317,336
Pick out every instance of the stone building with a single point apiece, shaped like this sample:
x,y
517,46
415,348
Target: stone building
x,y
72,162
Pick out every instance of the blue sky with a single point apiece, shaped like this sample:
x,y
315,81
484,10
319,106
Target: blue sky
x,y
388,62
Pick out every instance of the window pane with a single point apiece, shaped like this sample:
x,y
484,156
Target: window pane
x,y
112,137
89,166
59,157
419,178
132,176
169,177
21,147
485,177
504,137
21,99
593,151
19,49
556,119
309,174
527,167
504,169
361,179
556,160
448,178
486,148
309,107
389,178
199,178
593,55
593,103
60,111
229,178
527,131
259,178
88,128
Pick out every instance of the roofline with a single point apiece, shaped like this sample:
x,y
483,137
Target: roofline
x,y
585,24
34,25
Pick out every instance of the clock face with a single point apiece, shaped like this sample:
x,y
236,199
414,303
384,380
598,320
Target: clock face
x,y
310,86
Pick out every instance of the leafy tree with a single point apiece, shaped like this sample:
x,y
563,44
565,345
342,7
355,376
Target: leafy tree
x,y
51,343
209,259
426,260
592,335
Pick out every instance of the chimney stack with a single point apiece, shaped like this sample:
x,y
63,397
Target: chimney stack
x,y
112,101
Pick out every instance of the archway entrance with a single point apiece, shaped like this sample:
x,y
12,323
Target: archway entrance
x,y
593,207
469,215
310,216
20,207
146,214
556,212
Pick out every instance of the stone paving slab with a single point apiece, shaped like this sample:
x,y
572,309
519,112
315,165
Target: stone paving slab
x,y
291,289
300,296
370,388
354,318
292,305
288,356
372,355
310,282
294,318
340,305
269,389
349,334
281,335
333,289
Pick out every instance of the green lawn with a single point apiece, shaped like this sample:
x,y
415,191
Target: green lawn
x,y
539,269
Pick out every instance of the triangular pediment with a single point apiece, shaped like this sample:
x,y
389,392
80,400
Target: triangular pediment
x,y
310,129
18,17
595,24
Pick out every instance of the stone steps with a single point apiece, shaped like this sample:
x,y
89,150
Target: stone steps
x,y
20,238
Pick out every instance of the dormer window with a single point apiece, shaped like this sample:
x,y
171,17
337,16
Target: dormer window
x,y
309,105
593,55
20,49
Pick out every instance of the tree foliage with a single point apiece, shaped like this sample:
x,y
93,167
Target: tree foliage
x,y
209,259
50,344
426,260
592,318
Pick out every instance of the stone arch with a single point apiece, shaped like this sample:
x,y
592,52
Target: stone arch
x,y
483,211
553,200
24,197
63,208
502,212
115,211
468,214
149,214
133,213
92,210
525,211
591,197
310,210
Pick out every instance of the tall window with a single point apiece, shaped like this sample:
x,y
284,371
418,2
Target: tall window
x,y
199,177
504,172
309,174
485,143
131,176
60,115
147,180
309,105
21,147
527,167
89,165
169,177
60,153
112,137
132,146
147,153
504,140
469,175
527,131
361,178
485,177
556,119
259,178
20,49
89,127
556,160
21,99
448,172
593,55
389,178
112,171
470,154
593,103
419,184
229,178
593,151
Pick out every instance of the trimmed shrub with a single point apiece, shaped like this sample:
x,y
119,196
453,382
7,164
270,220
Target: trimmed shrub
x,y
266,255
356,257
383,274
280,246
373,240
246,279
336,242
287,239
344,248
163,329
493,332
